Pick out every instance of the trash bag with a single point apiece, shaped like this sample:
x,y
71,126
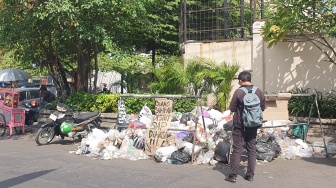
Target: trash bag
x,y
145,111
185,136
268,149
180,156
212,128
184,119
192,117
139,142
222,152
163,153
221,135
228,126
300,131
137,124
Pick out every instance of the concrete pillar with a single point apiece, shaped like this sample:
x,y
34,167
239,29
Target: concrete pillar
x,y
258,56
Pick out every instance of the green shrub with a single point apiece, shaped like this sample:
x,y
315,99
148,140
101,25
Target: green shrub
x,y
52,105
84,101
134,105
184,105
108,103
300,106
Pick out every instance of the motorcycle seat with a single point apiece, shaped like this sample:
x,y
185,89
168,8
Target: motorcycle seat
x,y
85,116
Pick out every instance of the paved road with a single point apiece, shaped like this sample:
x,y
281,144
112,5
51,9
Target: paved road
x,y
24,164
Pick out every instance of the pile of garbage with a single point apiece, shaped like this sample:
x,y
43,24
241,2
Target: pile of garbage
x,y
202,136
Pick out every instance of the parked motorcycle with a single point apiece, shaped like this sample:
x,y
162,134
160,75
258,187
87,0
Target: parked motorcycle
x,y
63,127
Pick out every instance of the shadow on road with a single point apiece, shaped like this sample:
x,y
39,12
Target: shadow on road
x,y
23,178
225,169
65,141
322,161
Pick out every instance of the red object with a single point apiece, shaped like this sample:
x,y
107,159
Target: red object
x,y
44,80
136,124
34,103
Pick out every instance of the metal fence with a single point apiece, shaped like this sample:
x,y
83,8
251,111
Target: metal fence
x,y
213,20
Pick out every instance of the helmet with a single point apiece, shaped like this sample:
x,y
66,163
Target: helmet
x,y
66,127
34,103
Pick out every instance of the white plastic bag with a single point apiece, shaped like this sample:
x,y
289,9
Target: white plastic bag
x,y
163,153
145,111
112,134
99,134
188,147
215,114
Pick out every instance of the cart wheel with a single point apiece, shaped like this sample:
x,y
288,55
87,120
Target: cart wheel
x,y
2,125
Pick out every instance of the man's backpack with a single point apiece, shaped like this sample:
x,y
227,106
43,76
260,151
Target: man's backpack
x,y
252,115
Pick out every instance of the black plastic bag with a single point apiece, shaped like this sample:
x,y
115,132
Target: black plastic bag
x,y
222,152
228,126
184,119
180,156
188,138
192,117
221,134
267,149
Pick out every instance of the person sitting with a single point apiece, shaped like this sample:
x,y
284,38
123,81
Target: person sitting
x,y
47,96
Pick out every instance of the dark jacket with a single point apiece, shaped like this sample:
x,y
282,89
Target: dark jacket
x,y
48,96
236,104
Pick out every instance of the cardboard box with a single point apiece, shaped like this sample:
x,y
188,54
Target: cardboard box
x,y
277,107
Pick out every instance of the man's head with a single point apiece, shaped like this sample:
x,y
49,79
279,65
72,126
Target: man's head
x,y
244,76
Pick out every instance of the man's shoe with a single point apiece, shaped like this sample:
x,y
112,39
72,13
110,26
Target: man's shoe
x,y
231,178
248,178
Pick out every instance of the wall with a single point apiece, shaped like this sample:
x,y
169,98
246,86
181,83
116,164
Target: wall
x,y
282,68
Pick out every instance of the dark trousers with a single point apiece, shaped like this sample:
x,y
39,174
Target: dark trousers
x,y
241,137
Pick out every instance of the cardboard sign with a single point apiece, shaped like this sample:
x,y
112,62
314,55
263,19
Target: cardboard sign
x,y
163,107
156,134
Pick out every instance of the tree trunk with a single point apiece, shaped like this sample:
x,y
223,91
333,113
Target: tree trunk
x,y
96,68
58,74
80,71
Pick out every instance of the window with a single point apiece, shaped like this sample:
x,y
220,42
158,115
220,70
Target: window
x,y
23,96
34,94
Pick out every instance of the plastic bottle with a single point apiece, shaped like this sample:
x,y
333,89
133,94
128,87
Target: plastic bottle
x,y
130,147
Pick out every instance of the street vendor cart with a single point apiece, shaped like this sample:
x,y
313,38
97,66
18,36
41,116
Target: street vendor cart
x,y
11,115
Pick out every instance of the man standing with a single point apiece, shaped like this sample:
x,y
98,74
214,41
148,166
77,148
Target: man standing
x,y
241,134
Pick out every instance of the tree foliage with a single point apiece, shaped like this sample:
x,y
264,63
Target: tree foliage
x,y
302,20
164,35
65,36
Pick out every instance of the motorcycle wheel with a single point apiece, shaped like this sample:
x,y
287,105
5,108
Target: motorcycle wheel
x,y
45,135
